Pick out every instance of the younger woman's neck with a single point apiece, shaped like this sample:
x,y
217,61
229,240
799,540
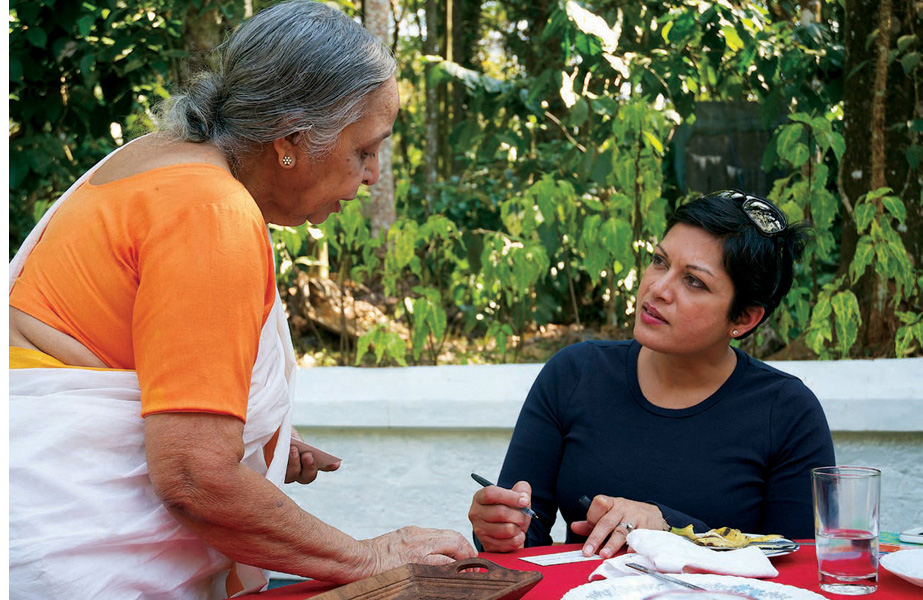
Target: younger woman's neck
x,y
681,381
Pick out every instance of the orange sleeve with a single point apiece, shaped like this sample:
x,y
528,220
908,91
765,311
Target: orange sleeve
x,y
206,283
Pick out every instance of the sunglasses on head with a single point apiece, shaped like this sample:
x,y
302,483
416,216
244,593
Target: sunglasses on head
x,y
762,213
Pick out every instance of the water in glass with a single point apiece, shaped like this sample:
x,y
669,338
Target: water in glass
x,y
847,561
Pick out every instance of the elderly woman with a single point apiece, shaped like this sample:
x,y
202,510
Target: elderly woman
x,y
151,365
675,427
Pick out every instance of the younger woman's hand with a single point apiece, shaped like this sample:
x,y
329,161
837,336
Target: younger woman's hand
x,y
306,461
615,518
496,519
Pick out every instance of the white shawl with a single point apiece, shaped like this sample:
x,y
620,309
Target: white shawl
x,y
84,519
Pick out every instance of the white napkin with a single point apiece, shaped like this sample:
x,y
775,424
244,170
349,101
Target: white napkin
x,y
669,553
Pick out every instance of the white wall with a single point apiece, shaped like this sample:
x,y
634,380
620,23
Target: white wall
x,y
410,437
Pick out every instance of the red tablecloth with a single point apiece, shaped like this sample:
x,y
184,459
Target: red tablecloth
x,y
798,569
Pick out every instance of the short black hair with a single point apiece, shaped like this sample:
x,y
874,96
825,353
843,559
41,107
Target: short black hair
x,y
761,266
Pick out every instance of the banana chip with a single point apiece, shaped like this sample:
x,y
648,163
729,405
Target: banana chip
x,y
724,537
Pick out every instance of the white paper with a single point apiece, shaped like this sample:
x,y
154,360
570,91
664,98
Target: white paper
x,y
560,558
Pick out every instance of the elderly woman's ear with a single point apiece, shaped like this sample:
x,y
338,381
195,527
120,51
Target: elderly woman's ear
x,y
286,150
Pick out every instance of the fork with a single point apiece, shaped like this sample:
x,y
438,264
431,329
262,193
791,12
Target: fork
x,y
663,577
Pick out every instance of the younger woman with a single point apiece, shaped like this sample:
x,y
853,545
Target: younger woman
x,y
675,427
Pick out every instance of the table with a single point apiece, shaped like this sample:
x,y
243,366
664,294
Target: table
x,y
798,569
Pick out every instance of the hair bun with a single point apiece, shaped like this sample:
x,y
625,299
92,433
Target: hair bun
x,y
198,109
294,66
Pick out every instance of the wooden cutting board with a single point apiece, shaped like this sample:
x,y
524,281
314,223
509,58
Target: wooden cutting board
x,y
489,581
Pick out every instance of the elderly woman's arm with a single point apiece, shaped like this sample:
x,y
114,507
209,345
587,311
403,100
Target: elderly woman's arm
x,y
194,461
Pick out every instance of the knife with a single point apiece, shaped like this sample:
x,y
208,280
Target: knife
x,y
663,577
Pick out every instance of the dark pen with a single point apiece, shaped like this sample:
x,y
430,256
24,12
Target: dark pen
x,y
525,509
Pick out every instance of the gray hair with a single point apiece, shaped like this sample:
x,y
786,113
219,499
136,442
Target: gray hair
x,y
298,66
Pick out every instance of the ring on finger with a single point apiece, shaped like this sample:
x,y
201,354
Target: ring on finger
x,y
628,525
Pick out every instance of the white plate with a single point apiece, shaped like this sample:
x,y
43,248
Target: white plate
x,y
768,551
907,564
774,553
638,587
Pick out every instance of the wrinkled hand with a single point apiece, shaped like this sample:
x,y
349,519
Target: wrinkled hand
x,y
604,517
496,519
302,466
417,545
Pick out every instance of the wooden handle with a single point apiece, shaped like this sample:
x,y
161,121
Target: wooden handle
x,y
475,563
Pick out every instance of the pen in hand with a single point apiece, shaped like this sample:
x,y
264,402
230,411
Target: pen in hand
x,y
585,502
525,509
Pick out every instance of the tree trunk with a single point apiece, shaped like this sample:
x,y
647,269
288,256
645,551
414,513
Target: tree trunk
x,y
444,94
380,209
811,11
204,28
906,95
448,92
431,48
466,19
536,13
875,155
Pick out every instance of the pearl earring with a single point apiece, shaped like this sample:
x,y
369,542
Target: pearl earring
x,y
287,160
735,333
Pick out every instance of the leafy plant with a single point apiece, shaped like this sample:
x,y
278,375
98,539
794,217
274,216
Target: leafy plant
x,y
82,76
836,318
553,156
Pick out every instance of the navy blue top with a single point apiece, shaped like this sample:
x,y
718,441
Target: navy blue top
x,y
740,458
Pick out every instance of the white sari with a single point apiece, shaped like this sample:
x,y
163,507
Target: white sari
x,y
84,519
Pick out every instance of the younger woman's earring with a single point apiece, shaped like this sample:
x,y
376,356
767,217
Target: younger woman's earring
x,y
735,333
287,160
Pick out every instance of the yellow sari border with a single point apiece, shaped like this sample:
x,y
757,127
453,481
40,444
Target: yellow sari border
x,y
27,358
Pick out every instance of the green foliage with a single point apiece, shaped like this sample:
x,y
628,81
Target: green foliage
x,y
290,246
351,241
429,320
386,344
802,147
81,73
910,334
549,225
837,316
554,180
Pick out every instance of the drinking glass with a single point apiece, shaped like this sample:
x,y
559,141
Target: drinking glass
x,y
846,503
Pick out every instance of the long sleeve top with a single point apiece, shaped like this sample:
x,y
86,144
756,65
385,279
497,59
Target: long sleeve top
x,y
740,458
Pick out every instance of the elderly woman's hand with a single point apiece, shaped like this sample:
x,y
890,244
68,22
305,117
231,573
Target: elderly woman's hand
x,y
615,518
496,519
418,545
305,461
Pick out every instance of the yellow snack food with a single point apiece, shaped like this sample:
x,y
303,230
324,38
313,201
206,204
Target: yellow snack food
x,y
723,537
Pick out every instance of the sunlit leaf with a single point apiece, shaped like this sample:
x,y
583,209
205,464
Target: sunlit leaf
x,y
617,63
593,24
791,146
567,89
864,214
846,319
894,206
652,141
908,338
905,41
732,39
865,254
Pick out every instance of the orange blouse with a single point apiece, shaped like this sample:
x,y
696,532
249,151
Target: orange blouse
x,y
168,272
